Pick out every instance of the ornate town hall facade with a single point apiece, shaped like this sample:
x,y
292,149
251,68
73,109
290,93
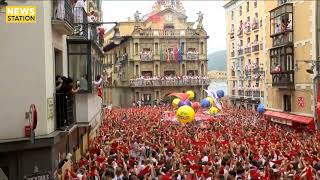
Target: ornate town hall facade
x,y
160,53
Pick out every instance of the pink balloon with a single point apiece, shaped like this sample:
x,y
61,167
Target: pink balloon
x,y
196,105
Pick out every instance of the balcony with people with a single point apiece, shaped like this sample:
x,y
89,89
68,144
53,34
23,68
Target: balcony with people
x,y
282,66
62,16
248,26
240,50
87,25
255,23
255,45
240,29
232,31
169,80
281,29
146,54
192,54
66,88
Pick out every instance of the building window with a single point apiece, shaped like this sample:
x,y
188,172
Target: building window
x,y
280,2
79,64
287,103
156,48
137,70
232,15
255,3
248,6
257,83
257,61
182,47
201,48
234,84
240,10
136,50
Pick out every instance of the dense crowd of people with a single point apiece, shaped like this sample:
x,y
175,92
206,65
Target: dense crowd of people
x,y
169,80
136,143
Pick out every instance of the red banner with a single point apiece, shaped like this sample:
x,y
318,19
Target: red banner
x,y
318,101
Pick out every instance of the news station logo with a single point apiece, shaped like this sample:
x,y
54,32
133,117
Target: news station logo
x,y
21,14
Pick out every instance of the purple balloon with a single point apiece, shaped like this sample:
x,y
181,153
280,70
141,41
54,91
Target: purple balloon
x,y
183,103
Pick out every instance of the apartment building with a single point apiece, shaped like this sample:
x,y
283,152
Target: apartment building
x,y
159,54
292,52
61,42
245,47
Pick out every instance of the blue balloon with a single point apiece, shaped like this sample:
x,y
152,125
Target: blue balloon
x,y
205,103
220,94
261,108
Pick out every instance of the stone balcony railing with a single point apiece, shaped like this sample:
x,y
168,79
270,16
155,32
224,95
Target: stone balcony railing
x,y
168,32
157,83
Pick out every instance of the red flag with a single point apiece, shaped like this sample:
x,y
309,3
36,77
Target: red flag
x,y
182,96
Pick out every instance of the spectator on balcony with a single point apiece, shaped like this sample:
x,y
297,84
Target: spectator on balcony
x,y
277,69
59,83
59,11
277,29
79,13
84,82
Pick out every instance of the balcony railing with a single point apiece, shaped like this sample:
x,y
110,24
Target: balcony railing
x,y
146,56
240,32
80,21
233,92
233,73
248,27
247,50
240,92
168,32
232,34
240,51
283,39
176,82
283,79
256,93
248,93
255,25
192,55
232,53
255,47
62,11
65,110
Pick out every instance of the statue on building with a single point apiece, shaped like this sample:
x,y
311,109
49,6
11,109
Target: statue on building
x,y
137,16
179,7
200,19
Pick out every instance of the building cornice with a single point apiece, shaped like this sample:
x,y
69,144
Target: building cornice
x,y
230,3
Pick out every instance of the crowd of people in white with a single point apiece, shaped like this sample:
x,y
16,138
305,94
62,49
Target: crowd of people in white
x,y
169,80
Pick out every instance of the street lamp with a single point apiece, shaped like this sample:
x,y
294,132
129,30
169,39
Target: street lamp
x,y
116,36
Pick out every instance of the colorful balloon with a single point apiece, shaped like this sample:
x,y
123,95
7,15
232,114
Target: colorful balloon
x,y
185,114
205,103
210,99
190,95
213,111
220,94
261,108
196,105
183,103
175,102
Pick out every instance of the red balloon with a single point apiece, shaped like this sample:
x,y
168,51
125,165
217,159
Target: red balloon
x,y
196,105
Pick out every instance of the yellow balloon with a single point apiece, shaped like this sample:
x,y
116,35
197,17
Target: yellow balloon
x,y
210,99
185,114
213,110
175,102
191,95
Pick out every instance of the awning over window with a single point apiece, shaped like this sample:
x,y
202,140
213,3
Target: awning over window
x,y
291,117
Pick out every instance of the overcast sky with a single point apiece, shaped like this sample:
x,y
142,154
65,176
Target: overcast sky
x,y
214,16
